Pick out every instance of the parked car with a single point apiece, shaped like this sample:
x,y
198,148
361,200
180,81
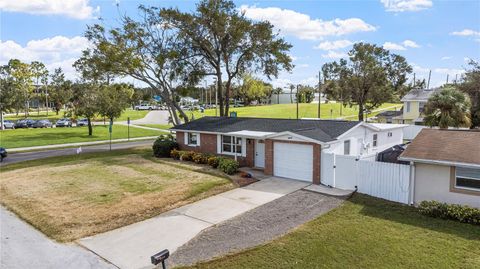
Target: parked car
x,y
8,124
63,123
42,124
144,107
82,122
3,154
26,123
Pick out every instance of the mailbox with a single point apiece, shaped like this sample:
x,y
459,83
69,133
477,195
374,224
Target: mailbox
x,y
160,257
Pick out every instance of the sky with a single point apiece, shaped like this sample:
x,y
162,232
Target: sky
x,y
440,36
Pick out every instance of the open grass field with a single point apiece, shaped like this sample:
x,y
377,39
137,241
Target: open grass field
x,y
366,232
50,136
289,111
76,196
52,116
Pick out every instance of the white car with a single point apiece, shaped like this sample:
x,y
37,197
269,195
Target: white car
x,y
144,107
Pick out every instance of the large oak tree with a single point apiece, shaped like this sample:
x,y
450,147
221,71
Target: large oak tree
x,y
369,77
227,44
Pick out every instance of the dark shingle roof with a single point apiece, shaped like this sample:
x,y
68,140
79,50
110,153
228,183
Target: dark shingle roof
x,y
321,130
460,146
420,94
390,113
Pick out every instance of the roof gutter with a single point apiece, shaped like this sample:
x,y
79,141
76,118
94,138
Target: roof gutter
x,y
439,162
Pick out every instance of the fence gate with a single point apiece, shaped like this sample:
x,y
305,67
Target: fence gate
x,y
389,181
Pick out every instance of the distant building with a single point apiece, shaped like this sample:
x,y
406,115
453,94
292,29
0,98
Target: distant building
x,y
413,105
290,98
388,116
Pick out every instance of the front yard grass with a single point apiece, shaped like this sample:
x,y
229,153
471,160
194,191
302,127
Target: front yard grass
x,y
366,232
71,197
50,136
52,116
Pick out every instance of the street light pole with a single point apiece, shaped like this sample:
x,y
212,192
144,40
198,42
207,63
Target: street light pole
x,y
319,93
297,96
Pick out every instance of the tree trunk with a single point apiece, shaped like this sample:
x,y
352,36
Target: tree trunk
x,y
360,111
90,129
1,119
227,97
220,93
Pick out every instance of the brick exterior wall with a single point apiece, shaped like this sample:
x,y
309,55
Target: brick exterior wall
x,y
269,162
208,144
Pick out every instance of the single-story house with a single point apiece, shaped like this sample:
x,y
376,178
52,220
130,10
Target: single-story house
x,y
288,148
446,166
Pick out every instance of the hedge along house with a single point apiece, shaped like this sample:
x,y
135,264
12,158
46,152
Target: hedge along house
x,y
446,166
285,147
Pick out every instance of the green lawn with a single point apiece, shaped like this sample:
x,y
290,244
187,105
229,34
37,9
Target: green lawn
x,y
288,111
366,233
71,197
52,116
38,137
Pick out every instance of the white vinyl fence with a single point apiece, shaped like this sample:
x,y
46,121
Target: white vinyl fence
x,y
389,181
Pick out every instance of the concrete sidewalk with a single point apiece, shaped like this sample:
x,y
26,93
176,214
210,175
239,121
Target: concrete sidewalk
x,y
131,246
78,144
24,247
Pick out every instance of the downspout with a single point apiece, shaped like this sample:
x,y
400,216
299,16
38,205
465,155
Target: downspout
x,y
412,183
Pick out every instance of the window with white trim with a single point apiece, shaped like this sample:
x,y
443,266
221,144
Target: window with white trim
x,y
231,144
192,138
408,106
467,178
375,140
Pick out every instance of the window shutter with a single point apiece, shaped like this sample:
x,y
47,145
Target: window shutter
x,y
219,144
185,138
198,139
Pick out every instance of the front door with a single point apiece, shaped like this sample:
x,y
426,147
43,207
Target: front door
x,y
259,153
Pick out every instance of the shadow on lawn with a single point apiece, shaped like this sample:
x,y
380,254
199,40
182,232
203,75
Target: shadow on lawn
x,y
408,215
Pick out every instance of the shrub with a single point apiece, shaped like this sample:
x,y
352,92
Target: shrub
x,y
461,213
200,158
163,146
187,155
175,154
228,166
213,161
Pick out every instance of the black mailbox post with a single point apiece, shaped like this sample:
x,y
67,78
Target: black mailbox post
x,y
160,257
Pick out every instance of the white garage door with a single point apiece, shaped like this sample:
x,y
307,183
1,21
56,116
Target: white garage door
x,y
293,161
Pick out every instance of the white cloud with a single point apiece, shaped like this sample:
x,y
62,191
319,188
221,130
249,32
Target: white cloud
x,y
449,71
403,46
410,43
332,45
281,83
77,9
58,51
393,46
406,5
302,26
444,58
302,65
418,69
466,32
334,55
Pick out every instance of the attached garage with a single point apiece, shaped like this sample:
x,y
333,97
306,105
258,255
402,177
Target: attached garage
x,y
293,160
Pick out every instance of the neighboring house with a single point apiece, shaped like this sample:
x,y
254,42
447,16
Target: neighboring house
x,y
413,104
446,166
387,116
284,147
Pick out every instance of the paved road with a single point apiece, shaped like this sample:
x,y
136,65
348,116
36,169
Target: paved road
x,y
154,117
24,247
26,156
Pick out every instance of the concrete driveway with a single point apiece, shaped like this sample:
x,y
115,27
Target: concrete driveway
x,y
22,246
131,246
154,117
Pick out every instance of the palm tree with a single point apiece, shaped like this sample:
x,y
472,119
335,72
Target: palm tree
x,y
448,107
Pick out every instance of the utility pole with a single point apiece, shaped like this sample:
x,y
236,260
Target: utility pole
x,y
429,75
447,79
216,98
297,96
319,93
414,80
